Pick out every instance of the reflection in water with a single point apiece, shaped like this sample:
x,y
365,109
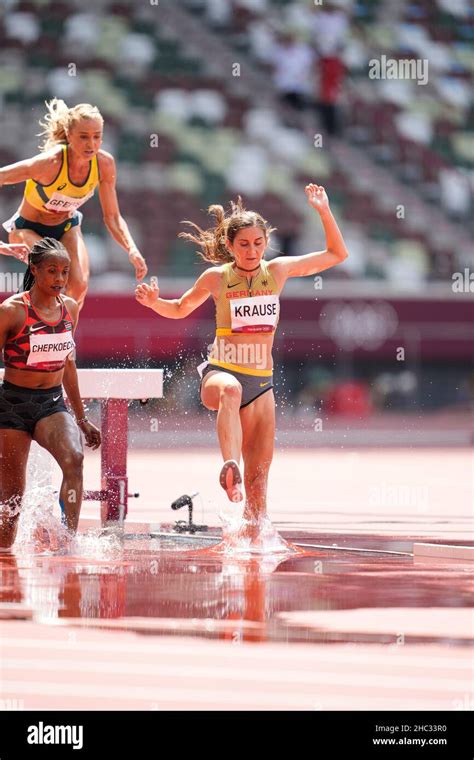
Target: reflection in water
x,y
173,587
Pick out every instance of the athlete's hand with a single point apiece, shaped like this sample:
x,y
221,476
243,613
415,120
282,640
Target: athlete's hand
x,y
137,261
147,295
18,250
91,434
317,197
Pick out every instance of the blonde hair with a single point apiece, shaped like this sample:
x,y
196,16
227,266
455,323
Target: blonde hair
x,y
212,242
59,119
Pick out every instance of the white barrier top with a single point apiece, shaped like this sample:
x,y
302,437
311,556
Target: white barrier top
x,y
119,383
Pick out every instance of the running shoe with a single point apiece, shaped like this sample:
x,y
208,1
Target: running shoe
x,y
231,480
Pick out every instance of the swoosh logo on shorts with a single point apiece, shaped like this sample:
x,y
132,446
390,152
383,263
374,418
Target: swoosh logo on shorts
x,y
262,385
55,398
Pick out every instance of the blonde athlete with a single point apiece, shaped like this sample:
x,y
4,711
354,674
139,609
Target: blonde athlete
x,y
59,180
237,379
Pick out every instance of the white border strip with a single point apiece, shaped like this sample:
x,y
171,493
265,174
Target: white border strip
x,y
444,551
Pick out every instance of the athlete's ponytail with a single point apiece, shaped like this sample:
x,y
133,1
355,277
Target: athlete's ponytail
x,y
40,251
212,242
59,119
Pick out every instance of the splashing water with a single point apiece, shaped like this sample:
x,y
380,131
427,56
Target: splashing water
x,y
241,537
98,544
39,528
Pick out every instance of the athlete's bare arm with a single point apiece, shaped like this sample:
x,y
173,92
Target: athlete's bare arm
x,y
9,317
178,308
312,263
18,250
42,168
113,220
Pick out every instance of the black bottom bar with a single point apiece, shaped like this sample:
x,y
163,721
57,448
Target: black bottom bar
x,y
311,734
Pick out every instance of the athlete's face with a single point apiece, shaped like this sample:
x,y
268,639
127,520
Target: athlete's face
x,y
248,247
52,274
85,137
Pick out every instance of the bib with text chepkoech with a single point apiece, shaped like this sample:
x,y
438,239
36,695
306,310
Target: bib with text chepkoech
x,y
47,347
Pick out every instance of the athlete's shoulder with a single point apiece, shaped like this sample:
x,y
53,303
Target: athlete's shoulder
x,y
221,268
11,306
46,162
277,264
71,305
213,274
106,164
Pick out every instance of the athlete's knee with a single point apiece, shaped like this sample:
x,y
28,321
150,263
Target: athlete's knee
x,y
230,391
72,462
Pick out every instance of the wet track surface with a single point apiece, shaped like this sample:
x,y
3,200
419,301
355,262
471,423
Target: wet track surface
x,y
186,587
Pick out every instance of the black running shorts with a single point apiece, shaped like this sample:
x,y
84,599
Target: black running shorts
x,y
21,408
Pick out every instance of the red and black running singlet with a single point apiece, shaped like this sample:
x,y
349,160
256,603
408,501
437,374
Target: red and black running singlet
x,y
40,346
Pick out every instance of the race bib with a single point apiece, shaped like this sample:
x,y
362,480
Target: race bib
x,y
255,314
63,203
50,347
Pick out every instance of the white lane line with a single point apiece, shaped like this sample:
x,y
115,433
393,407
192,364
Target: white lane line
x,y
273,652
236,673
175,694
155,694
187,645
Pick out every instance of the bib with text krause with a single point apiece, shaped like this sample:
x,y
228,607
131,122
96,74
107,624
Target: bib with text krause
x,y
60,202
255,314
50,347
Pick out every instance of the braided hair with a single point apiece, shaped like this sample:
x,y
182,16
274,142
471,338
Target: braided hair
x,y
40,251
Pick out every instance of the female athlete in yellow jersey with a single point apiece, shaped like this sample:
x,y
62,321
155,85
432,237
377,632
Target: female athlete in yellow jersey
x,y
237,379
58,181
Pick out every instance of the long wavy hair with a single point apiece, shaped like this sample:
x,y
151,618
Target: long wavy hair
x,y
212,242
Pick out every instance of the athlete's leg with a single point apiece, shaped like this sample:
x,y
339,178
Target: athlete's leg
x,y
78,280
258,428
60,435
14,450
25,237
221,391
